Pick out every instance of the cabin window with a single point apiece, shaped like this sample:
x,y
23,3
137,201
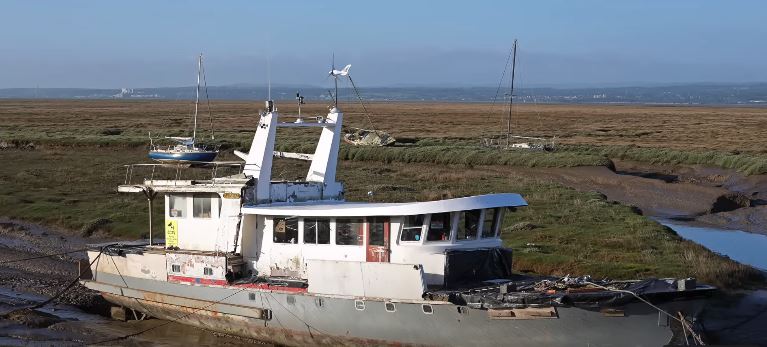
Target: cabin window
x,y
285,230
412,228
439,227
468,224
175,268
377,231
349,231
177,206
207,271
202,205
317,231
490,223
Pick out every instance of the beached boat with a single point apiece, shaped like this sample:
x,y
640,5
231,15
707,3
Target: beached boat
x,y
510,140
293,263
367,137
186,149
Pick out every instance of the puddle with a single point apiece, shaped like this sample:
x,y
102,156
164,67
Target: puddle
x,y
744,247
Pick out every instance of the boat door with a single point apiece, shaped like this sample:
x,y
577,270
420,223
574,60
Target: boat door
x,y
377,240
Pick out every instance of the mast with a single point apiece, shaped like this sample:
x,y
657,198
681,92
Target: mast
x,y
332,69
511,91
197,97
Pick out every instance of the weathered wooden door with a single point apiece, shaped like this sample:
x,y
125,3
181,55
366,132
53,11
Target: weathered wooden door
x,y
377,240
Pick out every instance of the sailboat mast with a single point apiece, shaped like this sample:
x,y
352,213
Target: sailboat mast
x,y
197,97
511,91
333,69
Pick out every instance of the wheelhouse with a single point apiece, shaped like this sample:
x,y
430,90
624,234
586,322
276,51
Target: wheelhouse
x,y
280,240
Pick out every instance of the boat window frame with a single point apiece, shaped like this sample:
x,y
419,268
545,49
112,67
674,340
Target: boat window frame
x,y
302,234
403,227
451,231
499,219
170,197
363,225
215,204
286,218
458,224
494,225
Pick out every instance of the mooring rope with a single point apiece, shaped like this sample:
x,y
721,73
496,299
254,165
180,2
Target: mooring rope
x,y
681,320
60,293
41,256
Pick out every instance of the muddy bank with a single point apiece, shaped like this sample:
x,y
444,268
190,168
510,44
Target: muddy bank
x,y
79,316
706,196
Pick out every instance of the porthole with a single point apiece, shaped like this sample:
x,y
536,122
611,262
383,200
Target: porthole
x,y
252,296
359,305
291,299
390,307
427,309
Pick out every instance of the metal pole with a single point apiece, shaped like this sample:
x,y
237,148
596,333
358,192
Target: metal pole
x,y
149,199
197,97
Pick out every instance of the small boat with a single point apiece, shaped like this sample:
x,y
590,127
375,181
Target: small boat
x,y
366,137
509,140
358,136
186,149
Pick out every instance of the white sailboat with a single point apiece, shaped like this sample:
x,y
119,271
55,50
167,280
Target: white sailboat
x,y
186,149
509,140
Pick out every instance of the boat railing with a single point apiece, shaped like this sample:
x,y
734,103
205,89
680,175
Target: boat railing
x,y
181,148
190,170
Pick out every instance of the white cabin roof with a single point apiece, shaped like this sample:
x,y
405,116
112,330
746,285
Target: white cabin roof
x,y
362,209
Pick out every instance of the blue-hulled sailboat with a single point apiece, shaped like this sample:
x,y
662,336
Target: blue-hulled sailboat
x,y
186,149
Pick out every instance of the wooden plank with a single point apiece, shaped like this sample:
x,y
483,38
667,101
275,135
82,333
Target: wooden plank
x,y
613,312
523,313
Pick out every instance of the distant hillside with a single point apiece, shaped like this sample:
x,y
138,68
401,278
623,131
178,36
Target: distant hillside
x,y
687,94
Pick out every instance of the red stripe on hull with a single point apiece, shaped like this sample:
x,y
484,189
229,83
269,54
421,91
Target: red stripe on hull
x,y
224,283
196,280
266,286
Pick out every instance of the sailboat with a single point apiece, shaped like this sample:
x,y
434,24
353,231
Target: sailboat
x,y
509,140
358,136
186,149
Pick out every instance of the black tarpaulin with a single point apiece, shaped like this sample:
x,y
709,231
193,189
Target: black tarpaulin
x,y
476,265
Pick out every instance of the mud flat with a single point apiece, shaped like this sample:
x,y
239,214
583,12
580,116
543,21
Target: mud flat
x,y
79,316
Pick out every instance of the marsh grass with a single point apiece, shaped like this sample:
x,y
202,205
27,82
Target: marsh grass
x,y
68,178
563,231
746,163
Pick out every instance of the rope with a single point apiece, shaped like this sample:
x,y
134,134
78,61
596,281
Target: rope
x,y
357,92
60,293
681,320
500,82
207,100
71,284
161,325
42,256
166,323
308,326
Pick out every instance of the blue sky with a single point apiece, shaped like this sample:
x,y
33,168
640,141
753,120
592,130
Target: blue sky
x,y
113,44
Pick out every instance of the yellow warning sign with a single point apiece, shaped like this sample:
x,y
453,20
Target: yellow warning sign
x,y
171,233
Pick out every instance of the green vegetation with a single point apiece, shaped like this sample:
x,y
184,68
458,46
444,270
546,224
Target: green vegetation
x,y
562,231
72,188
746,163
63,161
